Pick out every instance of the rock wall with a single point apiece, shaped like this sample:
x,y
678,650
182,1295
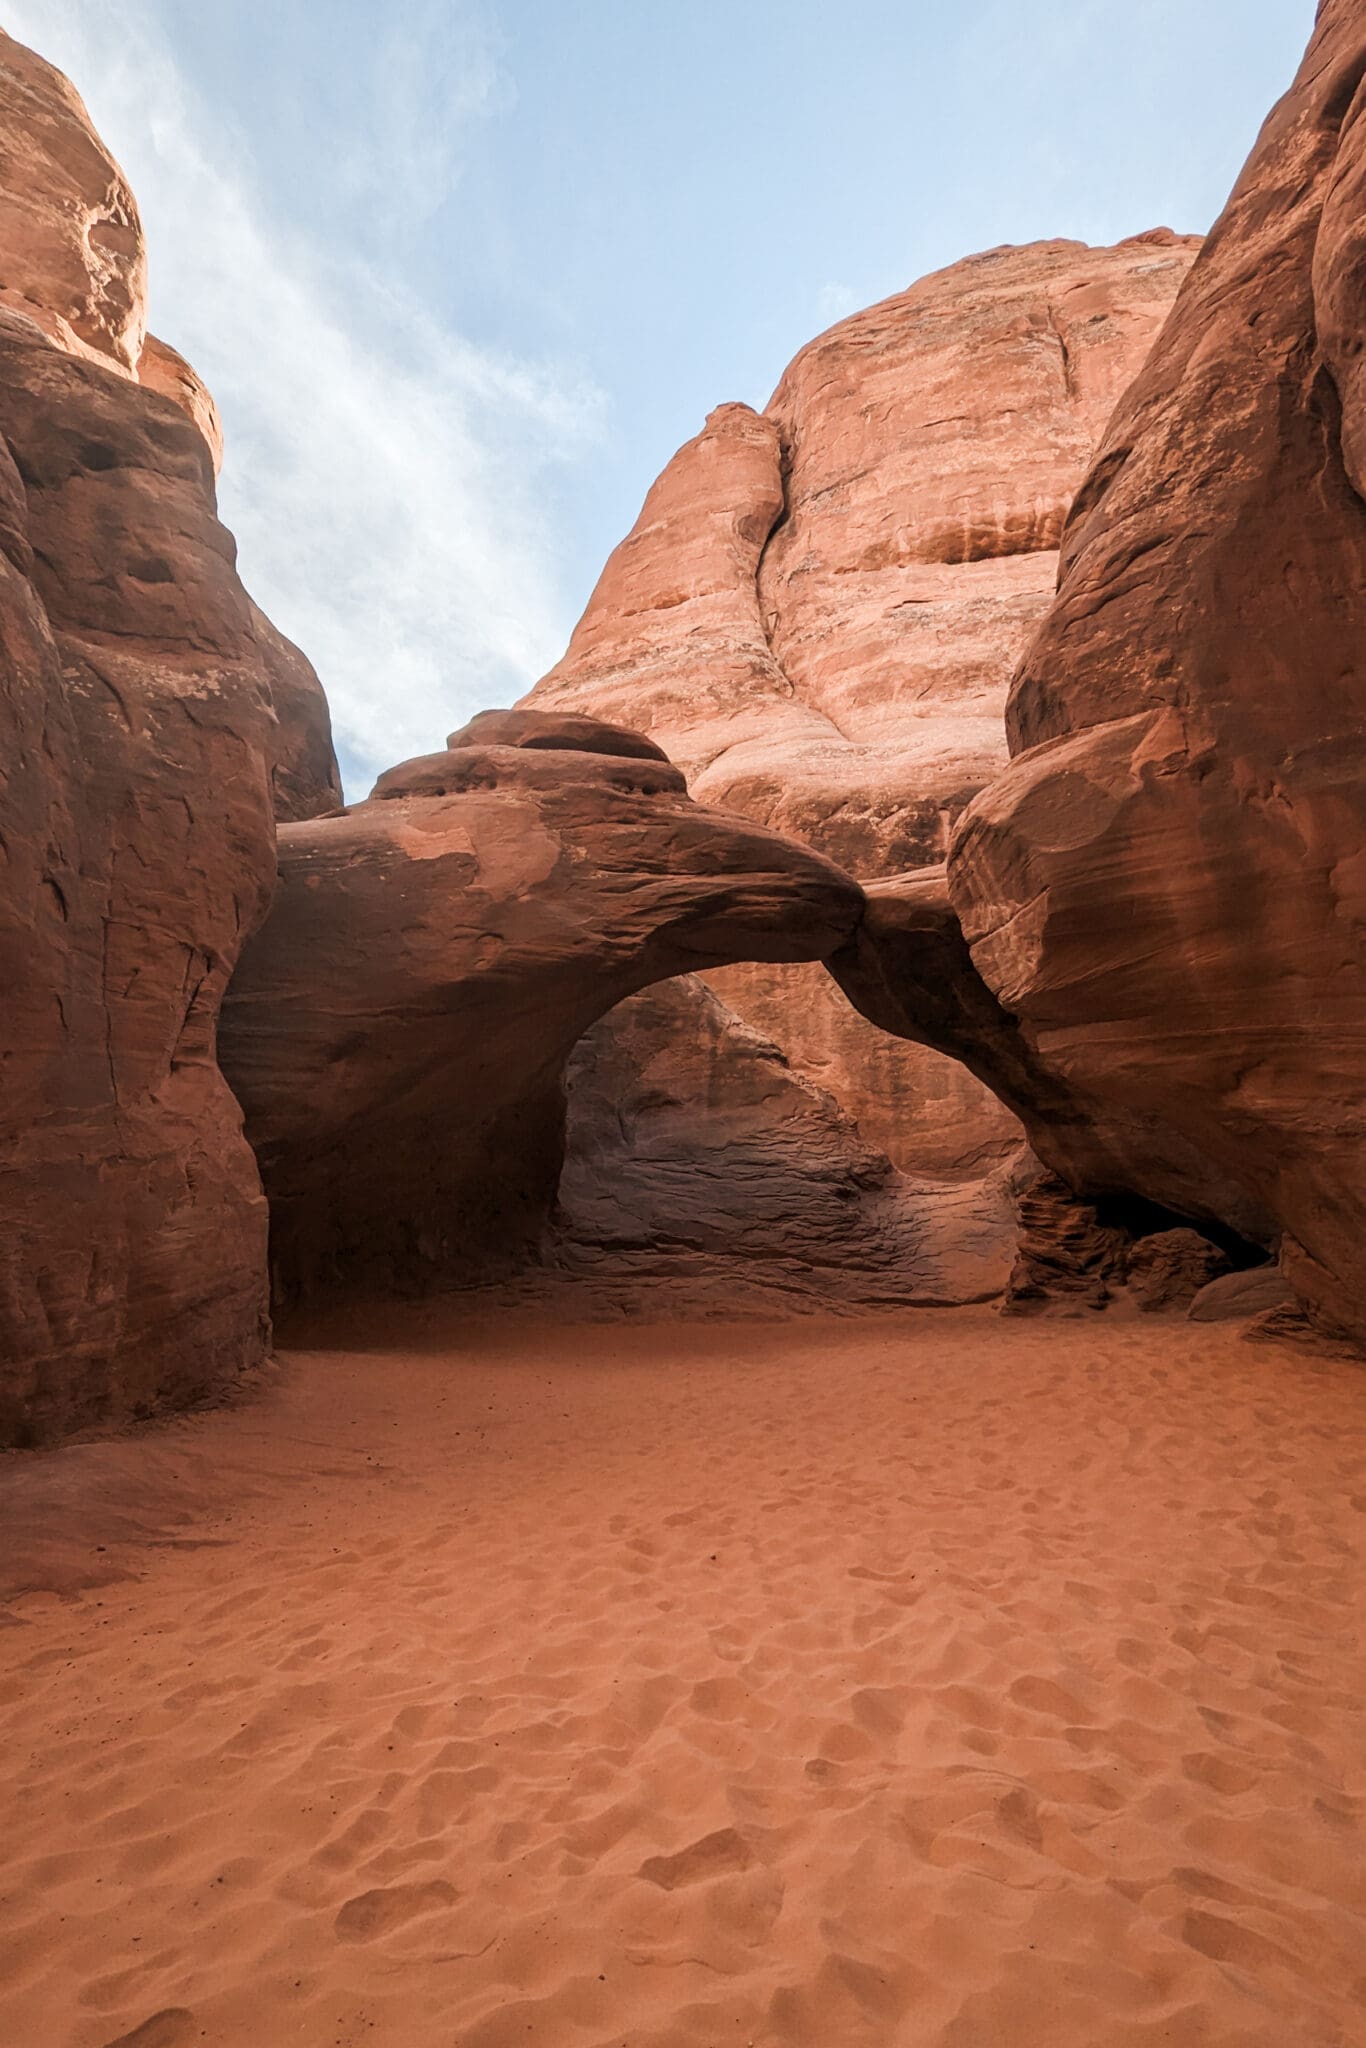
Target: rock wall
x,y
148,714
820,606
1165,893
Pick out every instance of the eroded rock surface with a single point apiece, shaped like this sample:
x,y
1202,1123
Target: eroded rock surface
x,y
72,257
706,1175
1237,1296
142,736
1069,1260
138,837
1167,888
819,609
397,1032
1171,1267
163,368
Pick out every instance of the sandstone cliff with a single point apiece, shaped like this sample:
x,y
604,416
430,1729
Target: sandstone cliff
x,y
819,609
150,718
1165,893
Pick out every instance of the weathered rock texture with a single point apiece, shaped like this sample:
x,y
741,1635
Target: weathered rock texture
x,y
820,606
163,368
397,1032
72,257
705,1171
71,251
1170,1268
1165,894
1069,1259
1075,1257
139,741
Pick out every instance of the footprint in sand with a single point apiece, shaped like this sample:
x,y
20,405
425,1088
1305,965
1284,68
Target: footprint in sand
x,y
371,1914
1042,1696
714,1855
720,1699
881,1709
170,2028
1221,1774
1225,1941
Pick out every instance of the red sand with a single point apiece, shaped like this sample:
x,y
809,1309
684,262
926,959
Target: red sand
x,y
930,1681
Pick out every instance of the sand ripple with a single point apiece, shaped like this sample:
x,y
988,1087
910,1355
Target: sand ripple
x,y
930,1681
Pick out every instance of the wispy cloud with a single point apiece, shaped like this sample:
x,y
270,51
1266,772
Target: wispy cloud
x,y
385,477
433,79
836,300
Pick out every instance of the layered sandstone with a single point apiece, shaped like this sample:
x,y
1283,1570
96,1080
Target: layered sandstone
x,y
149,714
819,608
1165,893
705,1175
398,1030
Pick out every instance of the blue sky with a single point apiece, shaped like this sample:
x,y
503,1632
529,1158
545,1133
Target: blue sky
x,y
462,274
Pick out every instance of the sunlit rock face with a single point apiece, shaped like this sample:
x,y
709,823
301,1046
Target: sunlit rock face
x,y
819,609
72,255
398,1030
150,722
71,250
1164,895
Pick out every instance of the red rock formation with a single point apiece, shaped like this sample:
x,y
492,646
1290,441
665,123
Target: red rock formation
x,y
397,1032
71,252
72,258
672,641
304,779
1170,1268
1237,1297
931,448
162,368
138,837
565,733
705,1175
1166,892
1068,1261
140,706
819,608
72,262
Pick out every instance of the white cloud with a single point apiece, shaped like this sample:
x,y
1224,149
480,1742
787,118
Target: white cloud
x,y
385,478
836,300
431,81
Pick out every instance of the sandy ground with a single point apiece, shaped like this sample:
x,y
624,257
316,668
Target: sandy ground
x,y
930,1681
